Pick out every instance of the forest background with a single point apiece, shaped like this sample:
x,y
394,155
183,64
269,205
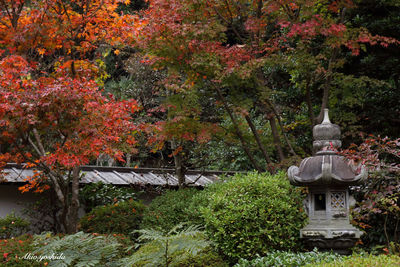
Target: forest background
x,y
219,84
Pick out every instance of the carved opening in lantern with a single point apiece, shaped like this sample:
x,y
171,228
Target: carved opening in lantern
x,y
319,202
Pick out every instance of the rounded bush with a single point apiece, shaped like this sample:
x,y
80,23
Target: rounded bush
x,y
169,210
252,214
122,218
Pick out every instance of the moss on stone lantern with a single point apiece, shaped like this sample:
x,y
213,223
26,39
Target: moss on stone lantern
x,y
328,177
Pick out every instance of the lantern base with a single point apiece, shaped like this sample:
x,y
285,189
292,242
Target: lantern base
x,y
339,245
338,236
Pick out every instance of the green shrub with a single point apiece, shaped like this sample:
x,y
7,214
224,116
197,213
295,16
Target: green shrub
x,y
252,214
122,218
188,247
12,225
13,250
363,260
170,209
80,249
99,194
283,258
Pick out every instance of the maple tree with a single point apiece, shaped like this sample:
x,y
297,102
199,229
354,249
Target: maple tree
x,y
215,45
181,130
65,34
54,117
59,124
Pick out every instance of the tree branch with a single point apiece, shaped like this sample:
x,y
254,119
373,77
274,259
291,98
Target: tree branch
x,y
236,127
39,142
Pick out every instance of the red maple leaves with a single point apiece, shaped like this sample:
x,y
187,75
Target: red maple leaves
x,y
69,118
53,114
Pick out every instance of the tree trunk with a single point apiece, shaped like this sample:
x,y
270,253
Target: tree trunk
x,y
179,168
327,85
63,217
259,143
237,130
325,100
128,160
328,80
276,137
281,127
72,218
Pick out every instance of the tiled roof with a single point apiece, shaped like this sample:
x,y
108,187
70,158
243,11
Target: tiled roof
x,y
13,173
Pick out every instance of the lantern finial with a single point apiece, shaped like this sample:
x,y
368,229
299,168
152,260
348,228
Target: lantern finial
x,y
326,135
326,117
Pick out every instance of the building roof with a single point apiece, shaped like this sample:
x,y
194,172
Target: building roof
x,y
14,173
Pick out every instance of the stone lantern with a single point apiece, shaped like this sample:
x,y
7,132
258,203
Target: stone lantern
x,y
328,177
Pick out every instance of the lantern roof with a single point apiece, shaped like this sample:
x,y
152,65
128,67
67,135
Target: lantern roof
x,y
326,167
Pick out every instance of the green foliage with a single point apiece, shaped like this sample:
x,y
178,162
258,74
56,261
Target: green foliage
x,y
379,17
122,218
12,225
252,214
97,194
188,247
80,249
42,213
362,260
283,258
224,151
13,250
170,209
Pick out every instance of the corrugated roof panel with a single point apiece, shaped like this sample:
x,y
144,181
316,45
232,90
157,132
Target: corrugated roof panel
x,y
164,178
207,179
11,176
204,180
139,178
120,176
190,178
154,179
89,177
168,179
98,178
195,179
21,174
111,178
118,180
172,180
